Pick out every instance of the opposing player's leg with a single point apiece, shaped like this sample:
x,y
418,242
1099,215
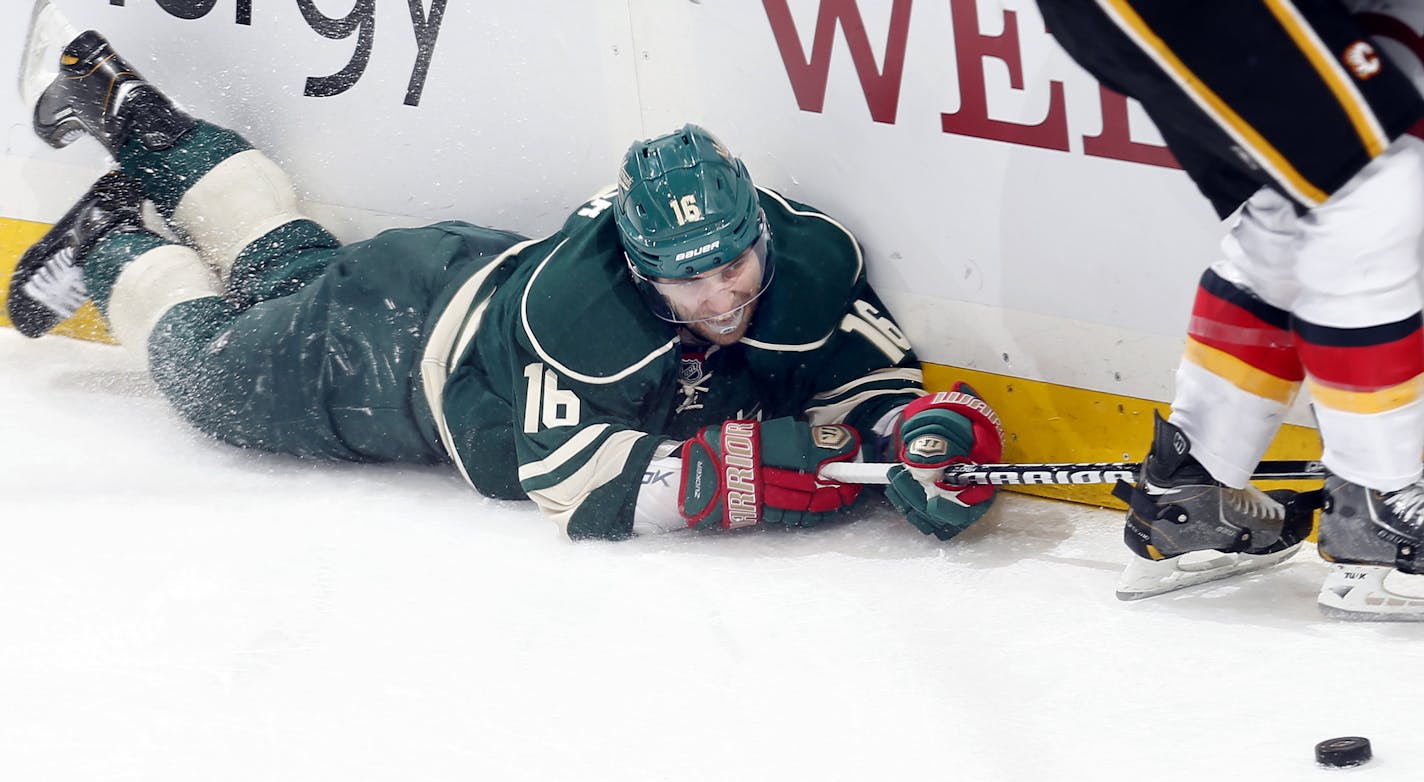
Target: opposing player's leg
x,y
1188,528
1353,318
1194,517
1358,327
1372,540
1289,97
1235,383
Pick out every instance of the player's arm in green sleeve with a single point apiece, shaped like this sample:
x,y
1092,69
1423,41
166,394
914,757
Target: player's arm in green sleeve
x,y
865,373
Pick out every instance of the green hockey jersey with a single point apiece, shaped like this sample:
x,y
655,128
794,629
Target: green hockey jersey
x,y
548,377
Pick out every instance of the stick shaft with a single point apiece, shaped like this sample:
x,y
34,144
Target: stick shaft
x,y
1062,474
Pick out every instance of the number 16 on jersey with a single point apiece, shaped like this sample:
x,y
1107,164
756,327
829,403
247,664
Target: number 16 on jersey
x,y
545,403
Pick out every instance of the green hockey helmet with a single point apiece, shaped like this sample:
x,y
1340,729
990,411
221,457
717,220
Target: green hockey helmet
x,y
686,207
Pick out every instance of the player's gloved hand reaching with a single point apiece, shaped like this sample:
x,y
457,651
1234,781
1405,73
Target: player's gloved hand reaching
x,y
741,473
933,432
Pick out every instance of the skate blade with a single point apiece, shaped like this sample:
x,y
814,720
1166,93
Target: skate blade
x,y
1371,593
50,31
1145,578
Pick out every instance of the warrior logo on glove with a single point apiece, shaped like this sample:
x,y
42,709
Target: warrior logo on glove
x,y
928,446
739,452
743,473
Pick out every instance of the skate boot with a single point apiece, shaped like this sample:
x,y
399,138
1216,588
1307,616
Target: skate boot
x,y
48,283
1368,536
1177,509
96,92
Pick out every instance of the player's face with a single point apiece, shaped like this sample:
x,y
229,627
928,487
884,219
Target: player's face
x,y
718,304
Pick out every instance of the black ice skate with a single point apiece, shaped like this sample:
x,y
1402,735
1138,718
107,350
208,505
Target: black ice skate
x,y
98,93
1368,535
1177,509
48,283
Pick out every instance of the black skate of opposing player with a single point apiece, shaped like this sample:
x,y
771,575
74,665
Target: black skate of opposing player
x,y
1177,510
1367,536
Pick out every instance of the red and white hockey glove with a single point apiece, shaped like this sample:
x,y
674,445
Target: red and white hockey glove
x,y
741,473
933,432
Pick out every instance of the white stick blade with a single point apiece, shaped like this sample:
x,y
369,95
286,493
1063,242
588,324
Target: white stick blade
x,y
49,32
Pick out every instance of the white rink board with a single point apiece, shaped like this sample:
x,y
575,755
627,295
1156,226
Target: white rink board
x,y
996,254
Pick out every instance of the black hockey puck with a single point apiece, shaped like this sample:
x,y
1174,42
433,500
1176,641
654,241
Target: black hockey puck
x,y
1343,751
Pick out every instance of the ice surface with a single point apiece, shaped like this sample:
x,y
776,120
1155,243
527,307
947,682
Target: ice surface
x,y
176,609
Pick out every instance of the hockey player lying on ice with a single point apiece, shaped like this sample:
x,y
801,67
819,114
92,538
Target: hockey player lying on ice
x,y
685,351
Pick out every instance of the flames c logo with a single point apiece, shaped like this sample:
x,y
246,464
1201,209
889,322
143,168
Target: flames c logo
x,y
1362,60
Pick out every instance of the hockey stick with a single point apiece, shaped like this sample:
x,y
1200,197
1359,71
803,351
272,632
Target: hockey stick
x,y
1080,474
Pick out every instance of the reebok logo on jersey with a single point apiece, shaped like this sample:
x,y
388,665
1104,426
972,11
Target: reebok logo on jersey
x,y
739,457
1362,60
